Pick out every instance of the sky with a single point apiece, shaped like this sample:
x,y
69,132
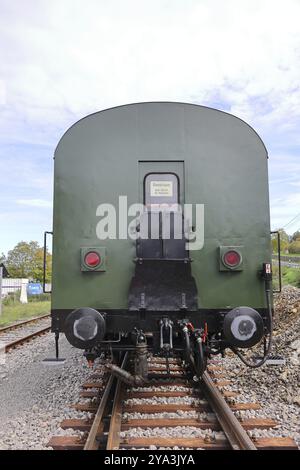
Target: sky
x,y
63,59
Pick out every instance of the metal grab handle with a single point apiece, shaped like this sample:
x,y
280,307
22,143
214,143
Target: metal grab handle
x,y
279,260
45,262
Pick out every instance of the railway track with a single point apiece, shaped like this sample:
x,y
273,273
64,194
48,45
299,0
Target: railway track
x,y
170,412
14,335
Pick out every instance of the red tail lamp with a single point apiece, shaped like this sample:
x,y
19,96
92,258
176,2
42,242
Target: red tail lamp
x,y
92,259
232,258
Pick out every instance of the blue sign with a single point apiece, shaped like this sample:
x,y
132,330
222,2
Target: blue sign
x,y
34,288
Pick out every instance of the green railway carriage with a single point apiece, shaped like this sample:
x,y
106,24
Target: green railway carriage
x,y
116,291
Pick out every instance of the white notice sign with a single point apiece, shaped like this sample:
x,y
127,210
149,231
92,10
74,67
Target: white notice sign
x,y
161,188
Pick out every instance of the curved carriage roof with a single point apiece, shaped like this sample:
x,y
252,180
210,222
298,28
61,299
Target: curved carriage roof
x,y
169,103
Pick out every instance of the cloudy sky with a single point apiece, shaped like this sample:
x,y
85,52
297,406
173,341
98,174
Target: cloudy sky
x,y
63,59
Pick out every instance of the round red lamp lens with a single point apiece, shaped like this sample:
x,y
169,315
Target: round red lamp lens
x,y
232,258
92,259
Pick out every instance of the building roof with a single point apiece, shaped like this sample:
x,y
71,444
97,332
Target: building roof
x,y
5,272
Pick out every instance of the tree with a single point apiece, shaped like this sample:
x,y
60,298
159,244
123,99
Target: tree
x,y
284,241
2,258
26,261
296,236
294,247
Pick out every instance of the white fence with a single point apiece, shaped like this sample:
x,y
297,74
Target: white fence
x,y
8,285
12,285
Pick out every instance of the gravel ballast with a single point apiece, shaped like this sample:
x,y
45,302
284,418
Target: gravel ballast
x,y
35,396
275,388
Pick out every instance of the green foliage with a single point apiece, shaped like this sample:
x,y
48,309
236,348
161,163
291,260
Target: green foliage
x,y
296,236
294,247
11,298
26,261
284,241
287,244
290,276
39,298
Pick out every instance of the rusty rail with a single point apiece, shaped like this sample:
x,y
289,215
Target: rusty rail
x,y
98,426
113,441
22,323
19,341
114,405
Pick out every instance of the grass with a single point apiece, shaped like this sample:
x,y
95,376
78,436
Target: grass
x,y
17,311
290,276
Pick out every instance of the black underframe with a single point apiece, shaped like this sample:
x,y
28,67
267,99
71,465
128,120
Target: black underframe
x,y
125,321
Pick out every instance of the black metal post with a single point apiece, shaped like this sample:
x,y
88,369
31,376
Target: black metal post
x,y
56,345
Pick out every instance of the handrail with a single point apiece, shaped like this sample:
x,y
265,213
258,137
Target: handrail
x,y
45,262
277,232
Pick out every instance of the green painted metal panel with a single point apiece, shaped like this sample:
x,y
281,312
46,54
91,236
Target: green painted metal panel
x,y
225,168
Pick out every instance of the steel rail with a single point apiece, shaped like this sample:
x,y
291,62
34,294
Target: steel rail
x,y
113,441
97,426
19,341
112,405
234,431
22,323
